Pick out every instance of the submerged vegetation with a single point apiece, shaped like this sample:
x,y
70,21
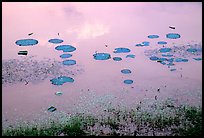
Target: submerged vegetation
x,y
164,119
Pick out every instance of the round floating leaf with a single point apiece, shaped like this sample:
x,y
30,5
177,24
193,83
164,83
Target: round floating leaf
x,y
162,43
117,58
164,50
61,80
69,62
130,56
65,48
181,60
55,41
167,55
121,50
153,58
101,56
128,81
153,36
26,42
197,59
126,71
173,36
191,50
66,55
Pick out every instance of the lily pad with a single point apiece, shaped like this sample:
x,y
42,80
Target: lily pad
x,y
173,35
126,71
192,50
66,55
128,81
61,80
197,59
101,56
65,48
117,58
153,36
130,56
69,62
164,50
121,50
55,41
26,42
153,58
162,43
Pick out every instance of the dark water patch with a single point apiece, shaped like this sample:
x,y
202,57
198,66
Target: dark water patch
x,y
162,43
128,81
173,35
121,50
172,69
126,71
61,80
52,109
154,58
164,50
22,52
197,59
65,48
26,42
55,41
153,36
66,55
117,58
102,56
69,62
130,56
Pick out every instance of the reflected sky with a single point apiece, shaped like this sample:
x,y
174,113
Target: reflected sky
x,y
101,27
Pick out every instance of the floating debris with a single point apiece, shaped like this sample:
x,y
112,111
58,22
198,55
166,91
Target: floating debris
x,y
164,50
65,48
126,71
61,80
66,55
30,34
22,52
101,56
106,45
173,36
26,42
52,109
162,43
158,89
172,69
55,41
154,58
171,27
128,81
117,58
121,50
197,59
69,62
153,36
130,56
58,93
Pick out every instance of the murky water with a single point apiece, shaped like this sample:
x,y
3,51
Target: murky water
x,y
105,68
